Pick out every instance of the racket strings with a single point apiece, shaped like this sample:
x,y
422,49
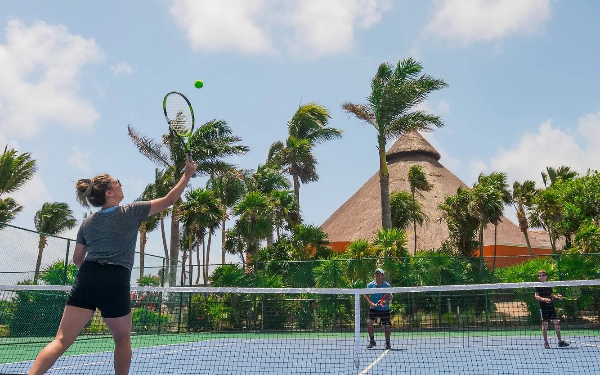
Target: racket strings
x,y
179,115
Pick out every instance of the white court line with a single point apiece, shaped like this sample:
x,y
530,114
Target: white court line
x,y
584,343
374,362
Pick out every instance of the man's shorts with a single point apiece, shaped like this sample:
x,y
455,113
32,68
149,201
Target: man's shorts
x,y
548,312
105,287
383,315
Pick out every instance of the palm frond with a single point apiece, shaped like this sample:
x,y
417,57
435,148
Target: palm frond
x,y
275,151
149,148
361,111
414,121
15,170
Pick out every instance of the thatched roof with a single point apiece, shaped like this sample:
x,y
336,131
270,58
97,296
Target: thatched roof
x,y
360,216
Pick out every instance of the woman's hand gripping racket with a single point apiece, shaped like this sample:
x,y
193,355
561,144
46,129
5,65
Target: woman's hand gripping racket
x,y
180,117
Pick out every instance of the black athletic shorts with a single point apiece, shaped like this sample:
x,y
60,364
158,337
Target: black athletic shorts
x,y
383,315
548,312
105,287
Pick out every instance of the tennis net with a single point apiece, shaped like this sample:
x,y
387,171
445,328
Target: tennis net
x,y
466,329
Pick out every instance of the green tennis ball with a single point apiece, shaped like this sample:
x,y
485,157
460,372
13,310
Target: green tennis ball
x,y
198,84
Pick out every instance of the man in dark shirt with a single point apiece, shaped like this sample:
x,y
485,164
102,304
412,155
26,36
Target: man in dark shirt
x,y
546,297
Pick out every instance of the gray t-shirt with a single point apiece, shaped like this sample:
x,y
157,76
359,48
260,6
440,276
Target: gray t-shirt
x,y
111,235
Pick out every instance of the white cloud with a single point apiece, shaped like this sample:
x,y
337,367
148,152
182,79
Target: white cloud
x,y
318,27
81,159
327,27
469,21
39,78
31,196
550,146
121,68
224,25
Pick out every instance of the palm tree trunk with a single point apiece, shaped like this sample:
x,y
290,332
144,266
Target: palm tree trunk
x,y
384,183
481,258
38,264
297,194
495,244
174,253
143,239
203,258
223,239
414,224
524,226
191,263
164,240
207,255
198,260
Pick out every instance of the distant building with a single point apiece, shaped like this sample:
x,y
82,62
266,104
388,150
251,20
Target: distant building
x,y
360,216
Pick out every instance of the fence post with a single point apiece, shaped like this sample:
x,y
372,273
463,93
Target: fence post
x,y
66,263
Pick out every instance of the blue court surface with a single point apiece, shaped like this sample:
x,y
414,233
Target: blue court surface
x,y
442,355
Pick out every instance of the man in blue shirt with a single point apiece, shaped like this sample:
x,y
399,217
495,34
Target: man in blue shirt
x,y
379,307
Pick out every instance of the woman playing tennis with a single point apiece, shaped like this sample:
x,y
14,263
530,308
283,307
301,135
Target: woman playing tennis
x,y
104,254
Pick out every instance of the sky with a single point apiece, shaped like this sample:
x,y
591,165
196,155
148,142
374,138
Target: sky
x,y
522,76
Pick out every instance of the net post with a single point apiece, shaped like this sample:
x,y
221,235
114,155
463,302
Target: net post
x,y
356,331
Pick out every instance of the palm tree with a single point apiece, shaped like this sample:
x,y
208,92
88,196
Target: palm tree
x,y
418,182
405,210
552,175
211,143
310,123
15,170
285,210
498,181
310,242
487,205
51,220
9,208
462,222
522,197
307,128
395,92
202,214
149,225
267,180
390,243
255,221
296,159
228,188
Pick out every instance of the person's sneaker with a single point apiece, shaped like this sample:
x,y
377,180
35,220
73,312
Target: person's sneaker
x,y
563,344
388,345
371,344
546,346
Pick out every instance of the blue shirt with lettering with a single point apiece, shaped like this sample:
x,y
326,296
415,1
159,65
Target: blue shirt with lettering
x,y
375,297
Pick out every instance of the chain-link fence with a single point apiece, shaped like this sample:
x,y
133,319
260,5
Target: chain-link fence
x,y
20,248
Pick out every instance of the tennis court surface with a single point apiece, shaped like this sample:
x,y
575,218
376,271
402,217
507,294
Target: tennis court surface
x,y
462,329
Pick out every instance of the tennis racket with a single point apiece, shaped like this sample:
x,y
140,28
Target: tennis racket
x,y
180,117
382,300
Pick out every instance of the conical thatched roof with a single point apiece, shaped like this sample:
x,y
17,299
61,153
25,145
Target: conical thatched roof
x,y
360,216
